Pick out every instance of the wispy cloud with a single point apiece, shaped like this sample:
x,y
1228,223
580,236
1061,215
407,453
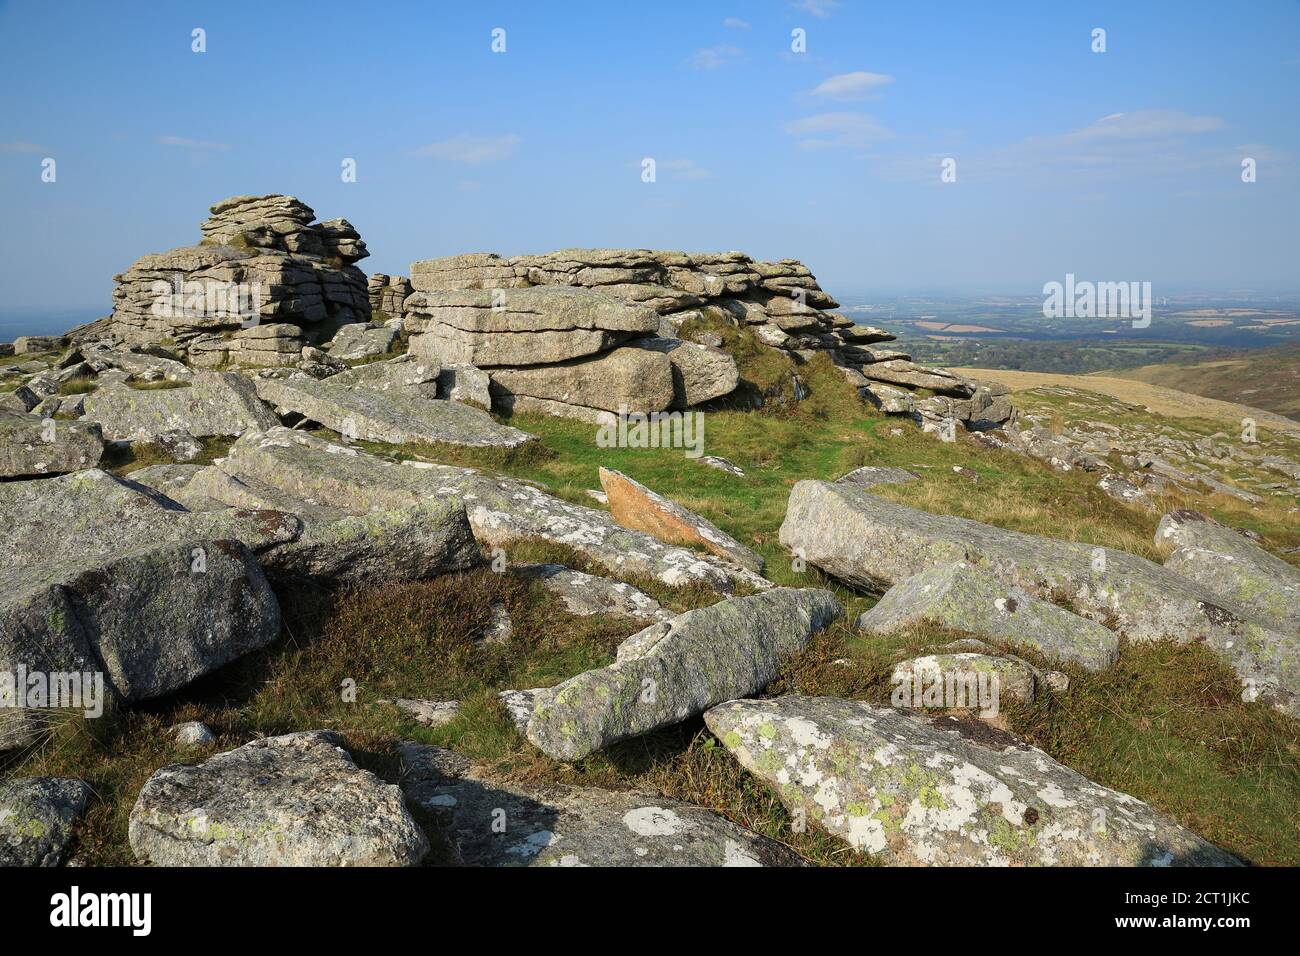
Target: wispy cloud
x,y
712,57
735,23
859,85
830,130
466,148
199,145
22,148
818,8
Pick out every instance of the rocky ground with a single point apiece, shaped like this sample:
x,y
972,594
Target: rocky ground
x,y
366,587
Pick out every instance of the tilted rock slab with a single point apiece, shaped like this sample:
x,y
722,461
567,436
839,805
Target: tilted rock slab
x,y
577,826
501,510
966,598
393,416
36,817
34,445
296,800
94,515
214,403
873,544
915,790
1232,567
633,505
673,670
152,620
586,594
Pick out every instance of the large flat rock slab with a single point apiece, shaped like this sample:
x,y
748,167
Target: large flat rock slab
x,y
214,403
675,669
92,514
393,416
36,818
296,800
33,445
622,379
915,790
501,510
583,826
1228,564
873,544
965,598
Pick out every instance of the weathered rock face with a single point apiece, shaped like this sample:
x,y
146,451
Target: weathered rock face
x,y
262,260
934,791
1231,566
214,403
586,594
393,416
700,373
296,800
572,826
36,817
152,620
32,445
632,379
387,294
404,374
678,668
964,598
361,340
980,682
501,510
522,326
94,515
633,505
873,544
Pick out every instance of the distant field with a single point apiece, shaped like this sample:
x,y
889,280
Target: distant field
x,y
1264,378
1160,399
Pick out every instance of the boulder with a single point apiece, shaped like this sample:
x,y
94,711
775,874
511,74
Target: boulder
x,y
35,344
872,543
962,681
633,505
631,379
583,826
394,417
152,620
36,818
295,800
675,669
916,790
962,597
466,384
361,340
404,374
587,594
501,510
901,372
1233,568
870,475
1121,489
32,445
214,403
891,401
700,373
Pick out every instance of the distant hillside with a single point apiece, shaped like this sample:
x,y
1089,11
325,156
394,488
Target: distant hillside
x,y
1263,378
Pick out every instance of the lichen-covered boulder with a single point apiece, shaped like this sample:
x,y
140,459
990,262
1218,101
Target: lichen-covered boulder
x,y
633,505
586,594
675,669
214,403
572,826
700,373
627,379
394,416
913,789
873,544
361,340
965,598
1228,564
36,818
962,681
36,445
295,800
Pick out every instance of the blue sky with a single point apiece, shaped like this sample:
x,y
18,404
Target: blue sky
x,y
1123,165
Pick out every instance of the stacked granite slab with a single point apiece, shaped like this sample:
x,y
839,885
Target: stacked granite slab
x,y
571,353
263,261
388,293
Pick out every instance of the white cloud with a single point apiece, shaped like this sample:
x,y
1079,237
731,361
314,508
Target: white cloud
x,y
860,85
710,58
195,144
466,148
827,130
735,23
818,8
